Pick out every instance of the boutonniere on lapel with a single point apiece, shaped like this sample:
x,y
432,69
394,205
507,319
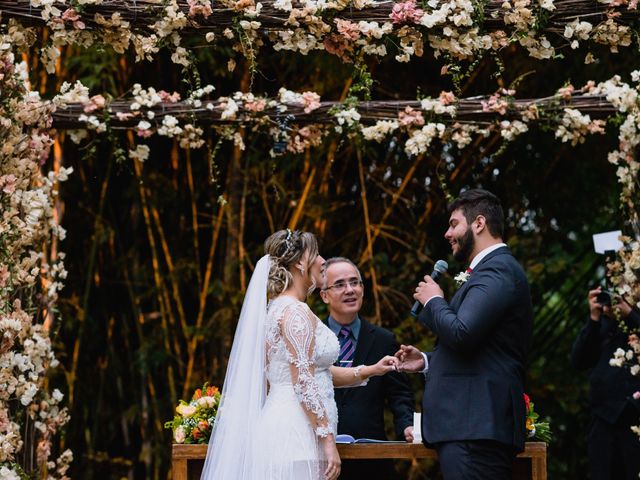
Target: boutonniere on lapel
x,y
462,277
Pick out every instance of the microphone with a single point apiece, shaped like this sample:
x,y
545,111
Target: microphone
x,y
438,269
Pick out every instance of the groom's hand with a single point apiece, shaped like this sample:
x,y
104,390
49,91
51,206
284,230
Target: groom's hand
x,y
411,359
427,289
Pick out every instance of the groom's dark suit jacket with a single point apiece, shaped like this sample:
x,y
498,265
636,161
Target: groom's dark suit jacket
x,y
361,409
474,384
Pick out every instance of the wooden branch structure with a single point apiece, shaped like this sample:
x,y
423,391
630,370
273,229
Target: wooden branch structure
x,y
142,13
469,110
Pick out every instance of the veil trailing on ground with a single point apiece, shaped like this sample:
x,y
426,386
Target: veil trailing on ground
x,y
229,454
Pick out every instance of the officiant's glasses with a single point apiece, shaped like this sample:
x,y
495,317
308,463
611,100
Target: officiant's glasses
x,y
342,285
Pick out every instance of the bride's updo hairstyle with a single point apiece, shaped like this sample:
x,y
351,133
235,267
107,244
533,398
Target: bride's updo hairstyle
x,y
286,248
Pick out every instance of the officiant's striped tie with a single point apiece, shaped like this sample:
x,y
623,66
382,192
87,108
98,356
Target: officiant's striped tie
x,y
347,347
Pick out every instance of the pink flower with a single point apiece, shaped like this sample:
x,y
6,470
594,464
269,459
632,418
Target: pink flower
x,y
410,117
566,92
145,133
256,105
169,97
96,102
70,15
337,45
198,8
406,12
8,184
348,29
447,98
636,396
310,101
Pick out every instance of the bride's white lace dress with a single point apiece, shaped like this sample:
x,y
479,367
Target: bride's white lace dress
x,y
300,406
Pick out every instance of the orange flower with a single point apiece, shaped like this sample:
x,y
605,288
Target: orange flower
x,y
211,391
529,424
197,394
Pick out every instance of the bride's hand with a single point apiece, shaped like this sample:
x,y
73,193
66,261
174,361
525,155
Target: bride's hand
x,y
385,365
333,458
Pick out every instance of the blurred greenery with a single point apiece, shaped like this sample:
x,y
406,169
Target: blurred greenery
x,y
141,243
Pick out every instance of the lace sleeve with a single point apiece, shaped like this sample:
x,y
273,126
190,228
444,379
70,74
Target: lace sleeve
x,y
298,331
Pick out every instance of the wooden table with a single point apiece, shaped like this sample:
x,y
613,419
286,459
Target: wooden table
x,y
530,464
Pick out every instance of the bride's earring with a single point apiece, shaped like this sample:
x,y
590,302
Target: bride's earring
x,y
301,270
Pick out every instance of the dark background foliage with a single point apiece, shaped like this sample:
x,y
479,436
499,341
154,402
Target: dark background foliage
x,y
140,325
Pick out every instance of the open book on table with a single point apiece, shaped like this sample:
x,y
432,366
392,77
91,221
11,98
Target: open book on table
x,y
344,438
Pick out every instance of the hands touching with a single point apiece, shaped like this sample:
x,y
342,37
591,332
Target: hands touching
x,y
411,359
386,364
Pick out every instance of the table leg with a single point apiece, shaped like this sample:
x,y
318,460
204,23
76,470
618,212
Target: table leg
x,y
179,469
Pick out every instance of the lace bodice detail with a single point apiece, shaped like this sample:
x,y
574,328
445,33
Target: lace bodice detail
x,y
300,350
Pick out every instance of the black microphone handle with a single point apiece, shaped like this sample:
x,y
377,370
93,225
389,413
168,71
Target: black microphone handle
x,y
417,306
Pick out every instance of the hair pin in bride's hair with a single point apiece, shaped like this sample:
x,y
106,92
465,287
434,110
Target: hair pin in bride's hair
x,y
287,242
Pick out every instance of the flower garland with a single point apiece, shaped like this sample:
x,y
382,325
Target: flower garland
x,y
297,121
457,29
26,225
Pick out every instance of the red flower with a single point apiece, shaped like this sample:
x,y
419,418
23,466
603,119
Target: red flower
x,y
527,403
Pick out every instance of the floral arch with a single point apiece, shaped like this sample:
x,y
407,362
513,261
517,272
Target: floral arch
x,y
32,268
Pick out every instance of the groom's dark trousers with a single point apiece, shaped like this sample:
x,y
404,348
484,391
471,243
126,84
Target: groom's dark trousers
x,y
473,406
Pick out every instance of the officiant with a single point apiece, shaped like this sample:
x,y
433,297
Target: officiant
x,y
361,409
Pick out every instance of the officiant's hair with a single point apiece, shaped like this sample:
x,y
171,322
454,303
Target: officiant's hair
x,y
476,202
333,261
286,248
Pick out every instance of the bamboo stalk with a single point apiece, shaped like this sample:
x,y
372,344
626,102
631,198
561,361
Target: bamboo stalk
x,y
193,343
295,218
162,300
194,216
367,226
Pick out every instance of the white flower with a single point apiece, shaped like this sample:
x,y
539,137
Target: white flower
x,y
179,435
461,278
141,153
57,395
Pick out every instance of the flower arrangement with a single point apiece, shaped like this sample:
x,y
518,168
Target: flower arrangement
x,y
535,429
31,413
194,420
456,29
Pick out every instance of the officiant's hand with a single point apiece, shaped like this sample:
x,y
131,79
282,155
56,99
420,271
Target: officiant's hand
x,y
411,359
427,289
408,434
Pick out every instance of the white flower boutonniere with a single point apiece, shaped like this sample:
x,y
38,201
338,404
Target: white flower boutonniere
x,y
461,278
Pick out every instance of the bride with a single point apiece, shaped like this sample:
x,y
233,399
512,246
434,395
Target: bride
x,y
277,419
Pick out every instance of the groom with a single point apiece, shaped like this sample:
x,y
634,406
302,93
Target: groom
x,y
473,407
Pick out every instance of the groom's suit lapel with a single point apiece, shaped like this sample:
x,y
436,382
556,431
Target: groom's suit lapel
x,y
458,297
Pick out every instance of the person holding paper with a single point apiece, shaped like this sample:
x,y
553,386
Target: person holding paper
x,y
361,410
473,406
277,418
613,449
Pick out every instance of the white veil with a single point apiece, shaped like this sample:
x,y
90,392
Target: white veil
x,y
244,389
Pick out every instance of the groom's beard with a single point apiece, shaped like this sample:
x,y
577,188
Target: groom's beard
x,y
465,246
